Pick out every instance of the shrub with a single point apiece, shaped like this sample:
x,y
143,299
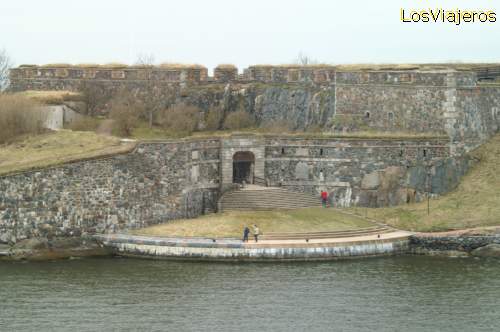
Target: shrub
x,y
180,118
84,123
95,96
313,128
214,118
51,97
277,126
19,116
125,111
239,120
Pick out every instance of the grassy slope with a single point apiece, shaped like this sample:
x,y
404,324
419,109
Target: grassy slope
x,y
231,224
56,148
143,132
474,203
50,97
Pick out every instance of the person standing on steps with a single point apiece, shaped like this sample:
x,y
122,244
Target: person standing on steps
x,y
256,233
324,198
246,231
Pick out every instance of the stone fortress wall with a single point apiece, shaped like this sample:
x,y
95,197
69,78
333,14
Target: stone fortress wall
x,y
162,181
447,101
34,75
168,180
154,183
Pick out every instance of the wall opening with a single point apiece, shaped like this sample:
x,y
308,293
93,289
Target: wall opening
x,y
243,167
390,117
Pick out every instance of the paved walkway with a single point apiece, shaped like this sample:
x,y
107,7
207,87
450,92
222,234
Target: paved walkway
x,y
232,242
332,241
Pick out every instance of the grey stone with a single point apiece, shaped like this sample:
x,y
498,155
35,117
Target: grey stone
x,y
371,181
32,244
302,171
490,250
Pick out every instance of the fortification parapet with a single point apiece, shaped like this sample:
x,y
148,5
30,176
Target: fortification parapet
x,y
319,74
408,77
170,73
225,73
61,75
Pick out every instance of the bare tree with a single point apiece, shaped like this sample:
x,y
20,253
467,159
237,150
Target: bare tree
x,y
145,59
5,65
154,96
94,96
304,60
125,110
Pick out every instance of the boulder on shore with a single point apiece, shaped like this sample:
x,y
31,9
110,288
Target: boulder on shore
x,y
490,250
32,244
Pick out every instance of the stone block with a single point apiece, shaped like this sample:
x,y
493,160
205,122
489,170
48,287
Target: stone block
x,y
371,181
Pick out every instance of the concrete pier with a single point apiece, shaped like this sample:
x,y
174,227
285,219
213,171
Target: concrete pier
x,y
235,250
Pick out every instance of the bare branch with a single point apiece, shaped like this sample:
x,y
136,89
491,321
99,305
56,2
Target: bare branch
x,y
304,60
5,65
145,59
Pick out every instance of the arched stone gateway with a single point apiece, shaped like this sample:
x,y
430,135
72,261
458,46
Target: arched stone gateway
x,y
243,167
242,159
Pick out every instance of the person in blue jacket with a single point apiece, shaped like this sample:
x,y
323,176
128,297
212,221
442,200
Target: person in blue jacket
x,y
246,231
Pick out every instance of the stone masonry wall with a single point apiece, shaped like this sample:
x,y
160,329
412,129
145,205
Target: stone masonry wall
x,y
155,183
161,181
299,97
376,172
476,118
436,101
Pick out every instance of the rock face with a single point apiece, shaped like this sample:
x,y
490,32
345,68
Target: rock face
x,y
490,250
439,101
476,245
33,244
39,248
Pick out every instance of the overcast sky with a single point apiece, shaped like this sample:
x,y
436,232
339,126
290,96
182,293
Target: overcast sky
x,y
242,32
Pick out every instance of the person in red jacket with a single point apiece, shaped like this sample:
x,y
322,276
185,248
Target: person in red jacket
x,y
324,198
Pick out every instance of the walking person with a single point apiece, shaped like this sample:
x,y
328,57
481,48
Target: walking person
x,y
256,233
324,198
246,231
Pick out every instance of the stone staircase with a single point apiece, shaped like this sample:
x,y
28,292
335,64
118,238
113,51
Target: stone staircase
x,y
260,198
367,231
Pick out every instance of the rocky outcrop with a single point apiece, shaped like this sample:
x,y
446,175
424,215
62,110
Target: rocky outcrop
x,y
42,249
490,250
456,245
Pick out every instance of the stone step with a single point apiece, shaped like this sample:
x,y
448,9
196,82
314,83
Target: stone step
x,y
274,201
272,194
270,203
271,197
255,197
325,235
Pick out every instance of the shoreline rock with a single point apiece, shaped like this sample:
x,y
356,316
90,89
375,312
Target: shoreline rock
x,y
42,249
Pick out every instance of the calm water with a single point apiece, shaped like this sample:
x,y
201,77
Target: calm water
x,y
383,294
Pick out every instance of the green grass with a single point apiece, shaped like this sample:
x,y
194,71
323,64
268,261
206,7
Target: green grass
x,y
231,224
50,97
474,203
56,148
143,132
